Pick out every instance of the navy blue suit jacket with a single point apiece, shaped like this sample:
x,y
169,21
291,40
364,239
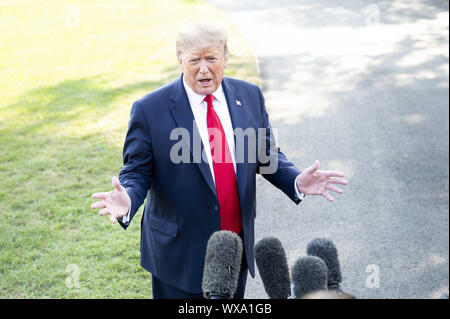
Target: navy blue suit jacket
x,y
182,209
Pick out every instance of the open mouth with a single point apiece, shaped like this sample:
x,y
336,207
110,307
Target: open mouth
x,y
205,82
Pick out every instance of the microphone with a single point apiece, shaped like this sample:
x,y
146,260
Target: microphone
x,y
326,250
273,268
222,265
309,275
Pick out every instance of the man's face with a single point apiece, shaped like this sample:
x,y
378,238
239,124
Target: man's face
x,y
203,69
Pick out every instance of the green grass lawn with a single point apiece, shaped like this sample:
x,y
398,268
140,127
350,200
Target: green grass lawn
x,y
69,73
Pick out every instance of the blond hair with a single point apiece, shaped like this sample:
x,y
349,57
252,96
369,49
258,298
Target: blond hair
x,y
201,36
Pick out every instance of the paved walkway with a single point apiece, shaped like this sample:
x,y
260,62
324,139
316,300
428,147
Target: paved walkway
x,y
363,87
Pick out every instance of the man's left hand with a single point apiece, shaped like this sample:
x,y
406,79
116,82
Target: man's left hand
x,y
314,182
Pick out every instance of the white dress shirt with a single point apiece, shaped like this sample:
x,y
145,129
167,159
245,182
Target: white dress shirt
x,y
199,108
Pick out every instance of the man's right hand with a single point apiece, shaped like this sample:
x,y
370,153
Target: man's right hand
x,y
115,203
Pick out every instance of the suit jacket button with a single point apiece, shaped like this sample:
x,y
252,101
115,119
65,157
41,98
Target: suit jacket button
x,y
216,207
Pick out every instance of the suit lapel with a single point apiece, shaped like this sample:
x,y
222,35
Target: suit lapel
x,y
182,113
239,120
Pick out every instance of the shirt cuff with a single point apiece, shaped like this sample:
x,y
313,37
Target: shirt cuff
x,y
299,194
125,219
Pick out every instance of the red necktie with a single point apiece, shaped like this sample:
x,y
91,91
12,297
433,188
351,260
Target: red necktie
x,y
226,186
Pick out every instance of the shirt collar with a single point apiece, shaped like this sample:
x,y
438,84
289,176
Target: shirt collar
x,y
196,99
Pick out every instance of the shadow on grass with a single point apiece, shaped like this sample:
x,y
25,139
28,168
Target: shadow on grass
x,y
73,99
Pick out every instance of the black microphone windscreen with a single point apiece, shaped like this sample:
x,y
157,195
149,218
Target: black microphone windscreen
x,y
273,268
326,250
309,274
222,265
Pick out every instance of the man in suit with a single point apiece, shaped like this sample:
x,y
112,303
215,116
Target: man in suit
x,y
210,186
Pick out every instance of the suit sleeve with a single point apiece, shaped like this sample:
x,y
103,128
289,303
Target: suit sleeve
x,y
137,172
272,163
